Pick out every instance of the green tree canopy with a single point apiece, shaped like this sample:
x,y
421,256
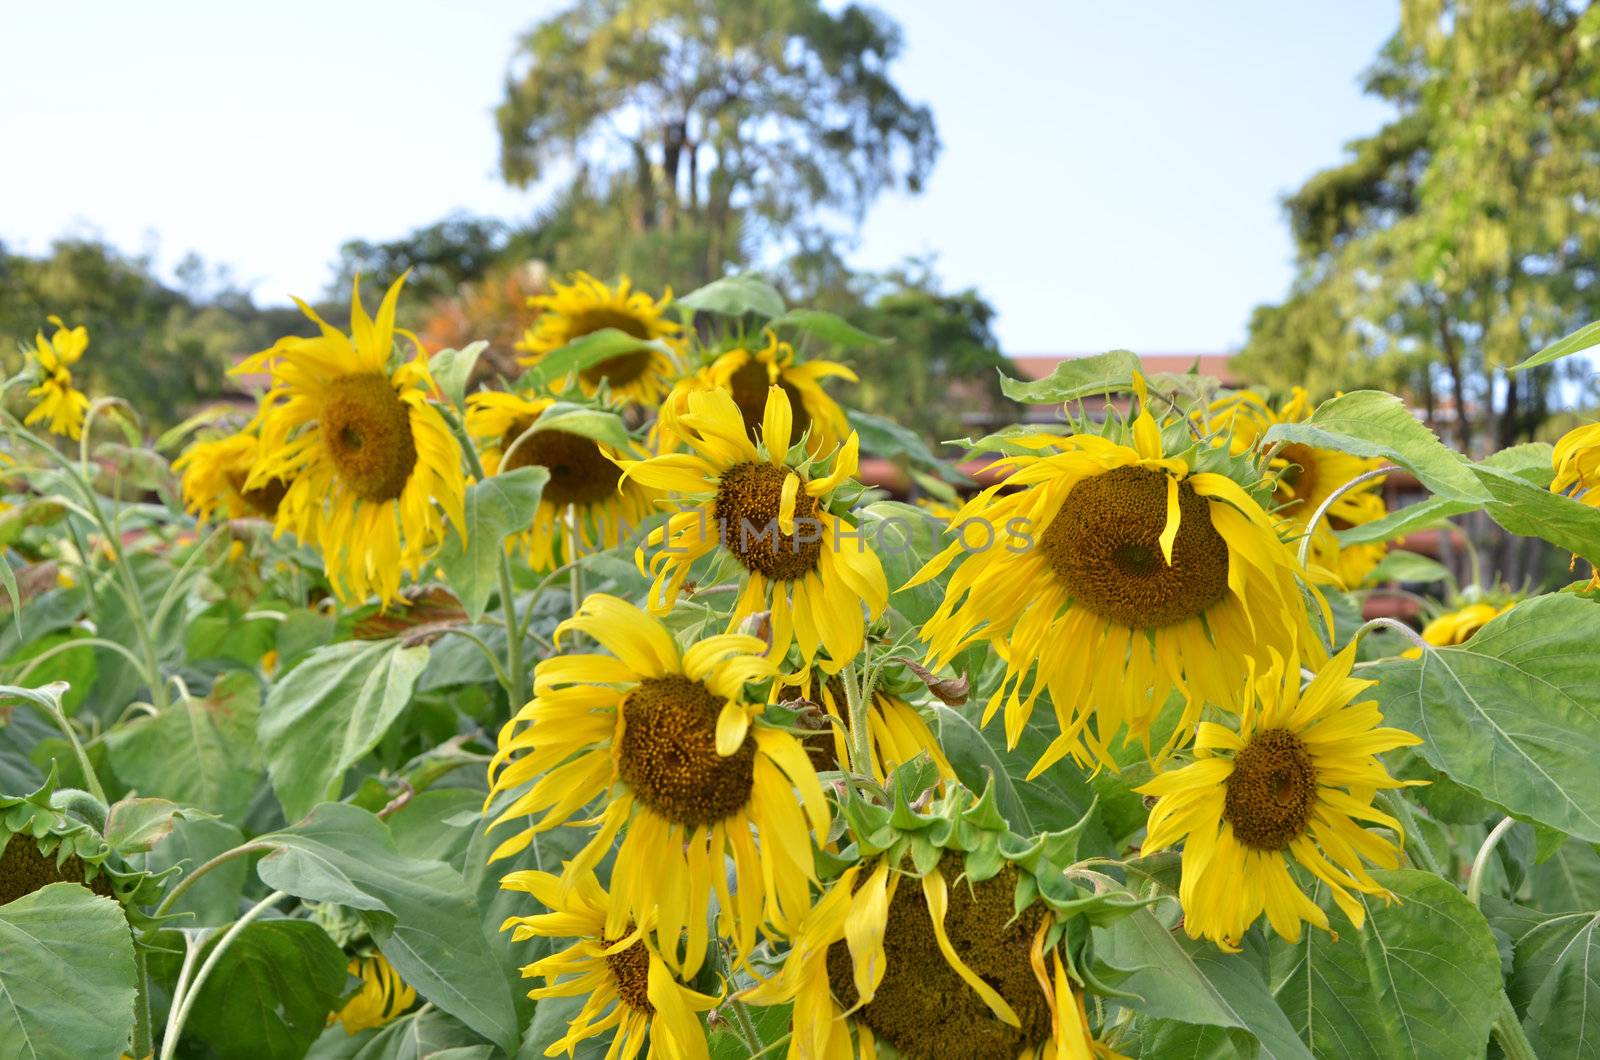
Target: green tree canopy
x,y
163,349
1462,235
722,123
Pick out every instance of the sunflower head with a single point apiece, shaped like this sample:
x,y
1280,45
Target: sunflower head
x,y
694,776
60,405
747,371
59,835
586,503
586,305
369,461
629,990
215,472
1112,571
943,927
1303,477
770,512
1457,625
1294,781
382,998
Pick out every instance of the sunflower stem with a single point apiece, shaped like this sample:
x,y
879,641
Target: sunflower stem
x,y
1398,807
1395,624
514,667
1322,509
1480,864
143,1044
860,738
512,679
182,1005
747,1026
59,717
1507,1030
189,881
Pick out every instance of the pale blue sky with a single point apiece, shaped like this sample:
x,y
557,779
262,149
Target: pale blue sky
x,y
1111,173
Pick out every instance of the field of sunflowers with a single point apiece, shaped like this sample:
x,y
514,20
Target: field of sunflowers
x,y
605,711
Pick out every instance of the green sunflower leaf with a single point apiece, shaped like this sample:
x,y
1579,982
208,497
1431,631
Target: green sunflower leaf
x,y
735,296
271,991
498,506
596,424
215,739
584,352
1421,979
1374,424
452,368
420,913
1555,978
829,327
1514,715
66,976
329,711
1182,980
1585,338
1076,377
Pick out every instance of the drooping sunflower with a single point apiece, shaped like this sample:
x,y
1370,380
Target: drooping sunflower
x,y
1457,626
368,460
692,776
214,473
944,938
586,305
747,373
60,404
1306,476
383,996
1294,782
584,482
1116,575
899,732
806,565
630,990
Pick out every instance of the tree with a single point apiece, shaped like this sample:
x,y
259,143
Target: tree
x,y
942,363
441,256
707,119
1462,235
160,348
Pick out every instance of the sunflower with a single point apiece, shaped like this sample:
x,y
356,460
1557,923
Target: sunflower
x,y
747,374
1458,626
1576,459
622,970
1146,578
690,775
60,403
368,460
1306,476
382,998
1293,783
809,567
899,732
584,480
585,306
938,966
214,474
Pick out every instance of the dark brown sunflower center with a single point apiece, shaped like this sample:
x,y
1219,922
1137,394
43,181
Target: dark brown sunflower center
x,y
630,969
24,870
749,385
1272,790
617,371
579,473
922,1007
1299,480
264,500
366,429
668,755
1105,546
749,498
